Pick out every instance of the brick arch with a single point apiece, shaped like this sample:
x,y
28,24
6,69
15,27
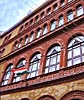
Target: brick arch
x,y
25,99
73,95
52,43
46,97
74,35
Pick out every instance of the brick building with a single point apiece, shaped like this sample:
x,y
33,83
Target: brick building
x,y
49,42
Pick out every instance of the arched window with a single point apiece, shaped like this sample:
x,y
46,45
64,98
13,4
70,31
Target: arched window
x,y
7,75
45,29
26,39
76,51
37,18
21,64
31,22
70,15
48,11
61,20
32,36
53,25
42,15
80,10
55,7
62,3
16,45
53,59
38,33
20,43
34,66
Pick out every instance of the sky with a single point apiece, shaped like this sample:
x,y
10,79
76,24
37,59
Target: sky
x,y
12,11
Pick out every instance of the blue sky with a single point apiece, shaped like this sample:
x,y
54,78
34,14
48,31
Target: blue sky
x,y
12,11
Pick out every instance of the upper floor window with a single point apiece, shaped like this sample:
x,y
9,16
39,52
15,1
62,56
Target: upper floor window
x,y
48,11
37,18
53,59
76,51
31,22
45,30
61,20
38,33
20,43
79,10
70,0
21,28
53,25
26,39
7,75
55,7
21,64
42,15
16,45
70,15
26,24
32,36
62,3
34,66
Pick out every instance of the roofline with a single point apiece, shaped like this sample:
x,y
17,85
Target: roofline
x,y
26,17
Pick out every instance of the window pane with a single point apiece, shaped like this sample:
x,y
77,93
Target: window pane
x,y
76,61
58,58
51,69
26,40
83,49
76,51
45,30
46,70
31,38
34,67
58,65
53,60
33,74
69,63
18,79
82,58
61,21
79,11
53,25
69,54
70,16
7,76
5,82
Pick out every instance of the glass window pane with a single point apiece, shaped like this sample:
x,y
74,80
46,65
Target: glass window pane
x,y
58,58
5,82
53,60
58,65
83,49
37,73
61,21
18,79
82,58
76,51
31,38
46,70
33,74
53,25
45,30
7,76
69,63
70,16
51,69
76,61
79,11
69,54
34,67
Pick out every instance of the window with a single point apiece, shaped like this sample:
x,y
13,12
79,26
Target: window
x,y
79,10
20,43
53,25
34,66
61,20
16,45
70,0
21,63
37,18
26,39
70,15
21,28
62,3
26,24
48,11
32,36
31,22
76,51
39,32
55,7
7,75
53,59
42,15
45,30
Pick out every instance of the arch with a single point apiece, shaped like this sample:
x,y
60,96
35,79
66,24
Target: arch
x,y
53,59
7,73
74,95
46,97
34,65
25,99
52,24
